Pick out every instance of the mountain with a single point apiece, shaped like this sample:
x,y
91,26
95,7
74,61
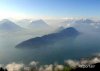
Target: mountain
x,y
88,21
87,25
7,25
39,25
83,25
52,40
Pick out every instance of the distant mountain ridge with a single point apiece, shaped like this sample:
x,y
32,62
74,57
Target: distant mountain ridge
x,y
38,24
7,25
50,39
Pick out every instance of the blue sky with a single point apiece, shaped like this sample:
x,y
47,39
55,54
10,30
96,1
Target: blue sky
x,y
49,8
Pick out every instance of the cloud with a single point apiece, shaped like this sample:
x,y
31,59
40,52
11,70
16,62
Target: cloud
x,y
15,67
95,60
26,69
72,63
34,63
88,61
48,67
59,68
35,66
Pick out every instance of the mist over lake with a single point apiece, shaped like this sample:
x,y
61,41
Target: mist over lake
x,y
84,45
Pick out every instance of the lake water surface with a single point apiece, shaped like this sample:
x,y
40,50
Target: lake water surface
x,y
84,45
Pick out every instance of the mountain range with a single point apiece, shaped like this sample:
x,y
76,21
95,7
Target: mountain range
x,y
51,40
82,25
7,25
39,25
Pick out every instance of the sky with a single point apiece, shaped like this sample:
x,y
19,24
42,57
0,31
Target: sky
x,y
49,8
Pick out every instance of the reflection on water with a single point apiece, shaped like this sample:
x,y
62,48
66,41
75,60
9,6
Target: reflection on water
x,y
83,46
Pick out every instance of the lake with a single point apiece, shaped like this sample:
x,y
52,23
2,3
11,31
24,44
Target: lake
x,y
84,45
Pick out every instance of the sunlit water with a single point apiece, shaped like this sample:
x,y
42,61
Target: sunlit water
x,y
83,45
